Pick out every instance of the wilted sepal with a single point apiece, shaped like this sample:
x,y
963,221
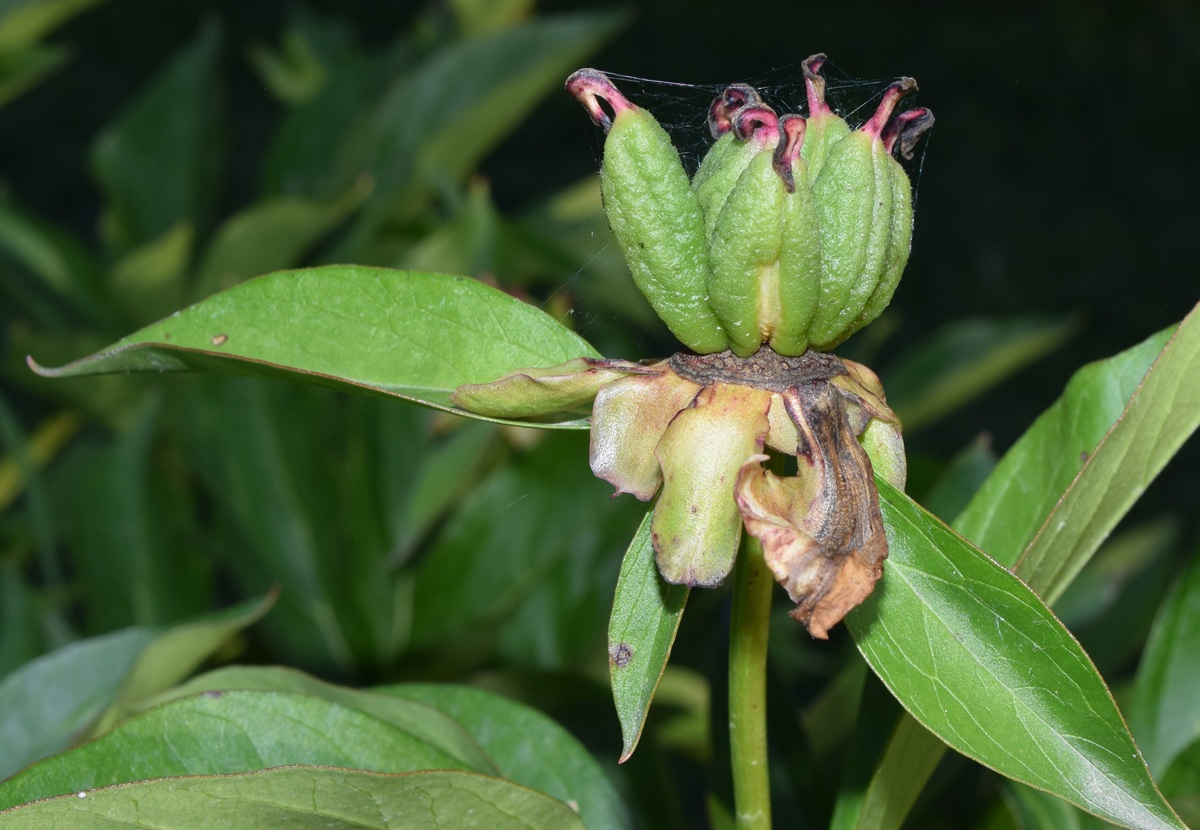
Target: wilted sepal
x,y
696,527
821,531
528,393
629,417
877,426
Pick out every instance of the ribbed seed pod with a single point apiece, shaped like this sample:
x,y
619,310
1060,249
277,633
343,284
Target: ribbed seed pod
x,y
728,158
853,195
653,212
743,286
800,248
903,131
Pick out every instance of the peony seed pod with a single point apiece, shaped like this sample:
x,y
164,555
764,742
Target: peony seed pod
x,y
727,158
824,127
653,212
854,195
743,288
800,248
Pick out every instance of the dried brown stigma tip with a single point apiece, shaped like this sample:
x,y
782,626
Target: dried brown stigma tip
x,y
891,96
733,98
905,129
814,85
590,87
756,121
791,139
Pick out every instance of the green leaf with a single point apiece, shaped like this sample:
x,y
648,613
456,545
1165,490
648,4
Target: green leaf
x,y
176,653
331,797
964,359
1014,502
403,334
146,281
1165,714
25,22
50,257
1037,810
22,70
434,124
1162,413
511,532
45,703
903,769
529,748
975,656
477,17
114,511
227,731
645,618
295,73
158,163
270,235
426,723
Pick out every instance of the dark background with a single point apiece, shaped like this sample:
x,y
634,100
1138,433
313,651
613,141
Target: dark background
x,y
1059,177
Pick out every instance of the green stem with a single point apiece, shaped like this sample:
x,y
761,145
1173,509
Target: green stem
x,y
752,586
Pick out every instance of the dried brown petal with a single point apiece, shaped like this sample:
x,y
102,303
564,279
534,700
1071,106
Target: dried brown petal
x,y
821,531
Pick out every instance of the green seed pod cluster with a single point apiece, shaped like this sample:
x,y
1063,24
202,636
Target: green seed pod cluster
x,y
794,231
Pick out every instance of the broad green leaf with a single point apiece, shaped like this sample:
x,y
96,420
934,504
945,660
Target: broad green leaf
x,y
294,73
22,70
975,656
511,533
147,280
962,478
903,769
478,17
435,123
158,163
50,257
964,359
253,443
1014,502
1037,810
25,22
46,703
426,723
305,796
529,748
1181,780
1163,412
1165,714
270,235
403,334
176,653
226,731
116,513
645,618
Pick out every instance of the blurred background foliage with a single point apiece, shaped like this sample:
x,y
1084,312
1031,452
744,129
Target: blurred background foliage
x,y
154,153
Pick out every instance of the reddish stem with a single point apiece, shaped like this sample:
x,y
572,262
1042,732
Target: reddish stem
x,y
891,97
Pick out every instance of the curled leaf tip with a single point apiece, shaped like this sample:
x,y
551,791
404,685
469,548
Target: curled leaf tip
x,y
590,87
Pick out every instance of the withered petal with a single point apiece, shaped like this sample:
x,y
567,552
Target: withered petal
x,y
821,531
528,393
696,526
629,418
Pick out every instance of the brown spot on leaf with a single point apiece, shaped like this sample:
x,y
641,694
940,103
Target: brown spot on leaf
x,y
621,656
220,339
